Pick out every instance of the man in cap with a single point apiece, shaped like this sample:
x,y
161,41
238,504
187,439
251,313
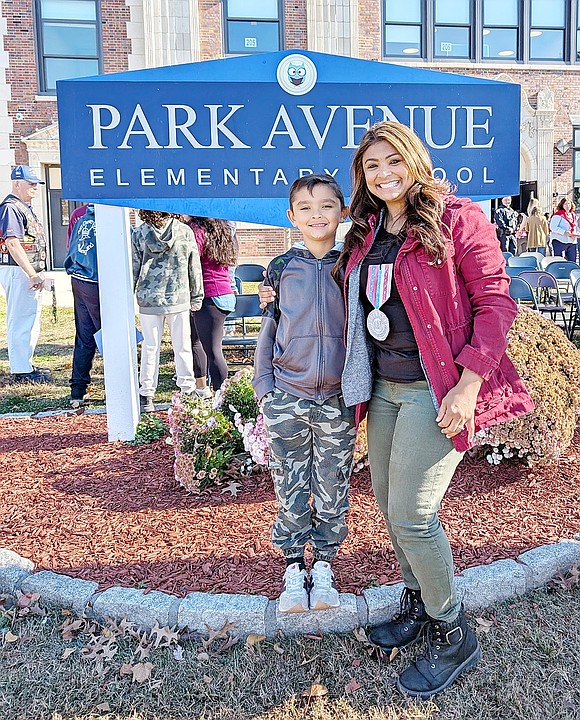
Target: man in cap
x,y
22,263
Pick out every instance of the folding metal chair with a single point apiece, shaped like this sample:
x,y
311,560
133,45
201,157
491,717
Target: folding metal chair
x,y
522,292
575,313
547,292
522,261
249,273
247,308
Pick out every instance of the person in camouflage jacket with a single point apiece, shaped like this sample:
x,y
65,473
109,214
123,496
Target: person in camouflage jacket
x,y
168,283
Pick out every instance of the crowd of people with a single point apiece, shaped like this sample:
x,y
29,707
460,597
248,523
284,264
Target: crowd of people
x,y
536,231
405,323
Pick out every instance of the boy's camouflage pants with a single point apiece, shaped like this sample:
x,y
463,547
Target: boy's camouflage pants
x,y
311,455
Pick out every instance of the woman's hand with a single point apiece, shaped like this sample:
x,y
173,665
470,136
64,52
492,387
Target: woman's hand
x,y
266,293
457,410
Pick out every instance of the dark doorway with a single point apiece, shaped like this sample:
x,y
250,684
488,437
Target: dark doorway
x,y
59,212
528,190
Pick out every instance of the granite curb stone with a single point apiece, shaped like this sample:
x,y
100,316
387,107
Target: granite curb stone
x,y
60,590
545,561
479,587
14,569
248,612
382,602
487,584
143,609
342,619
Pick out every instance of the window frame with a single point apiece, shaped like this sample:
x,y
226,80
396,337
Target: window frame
x,y
575,156
226,20
571,41
41,55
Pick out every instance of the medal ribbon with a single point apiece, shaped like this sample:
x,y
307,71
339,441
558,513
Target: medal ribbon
x,y
379,280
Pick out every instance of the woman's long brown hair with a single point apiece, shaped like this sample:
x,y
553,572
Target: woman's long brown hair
x,y
424,198
220,241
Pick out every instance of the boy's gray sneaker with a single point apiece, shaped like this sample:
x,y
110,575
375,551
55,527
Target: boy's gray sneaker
x,y
323,592
203,393
294,597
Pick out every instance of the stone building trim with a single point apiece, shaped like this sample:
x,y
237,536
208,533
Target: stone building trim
x,y
537,141
332,26
43,150
6,126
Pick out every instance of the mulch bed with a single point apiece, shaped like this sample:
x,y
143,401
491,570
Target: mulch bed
x,y
76,504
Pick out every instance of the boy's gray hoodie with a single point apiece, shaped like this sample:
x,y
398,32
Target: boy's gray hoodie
x,y
166,268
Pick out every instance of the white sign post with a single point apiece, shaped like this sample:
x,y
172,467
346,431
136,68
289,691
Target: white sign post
x,y
117,320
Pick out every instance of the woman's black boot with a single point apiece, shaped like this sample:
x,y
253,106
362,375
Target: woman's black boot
x,y
452,648
407,625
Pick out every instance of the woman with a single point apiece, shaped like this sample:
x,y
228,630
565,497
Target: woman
x,y
218,249
536,226
428,311
563,230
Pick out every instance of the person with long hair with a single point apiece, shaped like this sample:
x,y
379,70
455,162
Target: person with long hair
x,y
168,284
218,250
536,226
563,233
428,312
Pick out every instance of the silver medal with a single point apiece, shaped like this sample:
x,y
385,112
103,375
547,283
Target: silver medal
x,y
378,324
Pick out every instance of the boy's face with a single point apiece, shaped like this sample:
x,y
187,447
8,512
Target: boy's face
x,y
317,214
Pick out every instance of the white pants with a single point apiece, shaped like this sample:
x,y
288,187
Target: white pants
x,y
23,308
152,329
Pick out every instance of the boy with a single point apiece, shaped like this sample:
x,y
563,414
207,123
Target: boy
x,y
297,372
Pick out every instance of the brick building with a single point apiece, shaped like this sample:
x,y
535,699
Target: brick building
x,y
535,43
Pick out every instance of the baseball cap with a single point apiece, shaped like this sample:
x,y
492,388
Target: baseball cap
x,y
25,172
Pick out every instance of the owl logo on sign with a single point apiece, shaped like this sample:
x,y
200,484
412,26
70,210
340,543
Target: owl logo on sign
x,y
296,74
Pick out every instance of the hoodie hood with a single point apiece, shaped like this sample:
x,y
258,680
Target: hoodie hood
x,y
158,240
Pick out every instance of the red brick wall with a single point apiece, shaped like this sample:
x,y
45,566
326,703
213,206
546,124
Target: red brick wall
x,y
210,31
295,26
21,74
264,243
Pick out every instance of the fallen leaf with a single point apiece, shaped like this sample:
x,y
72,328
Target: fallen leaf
x,y
307,662
356,662
254,639
207,679
361,636
483,625
394,653
202,656
220,634
164,636
351,686
126,669
10,637
233,488
314,637
142,672
178,653
315,690
67,653
279,649
103,707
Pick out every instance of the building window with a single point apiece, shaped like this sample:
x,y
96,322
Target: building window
x,y
452,29
500,29
482,30
68,41
252,26
403,23
547,29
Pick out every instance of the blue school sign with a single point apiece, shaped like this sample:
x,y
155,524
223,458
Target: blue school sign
x,y
226,138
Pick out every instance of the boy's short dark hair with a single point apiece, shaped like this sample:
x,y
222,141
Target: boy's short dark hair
x,y
311,181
